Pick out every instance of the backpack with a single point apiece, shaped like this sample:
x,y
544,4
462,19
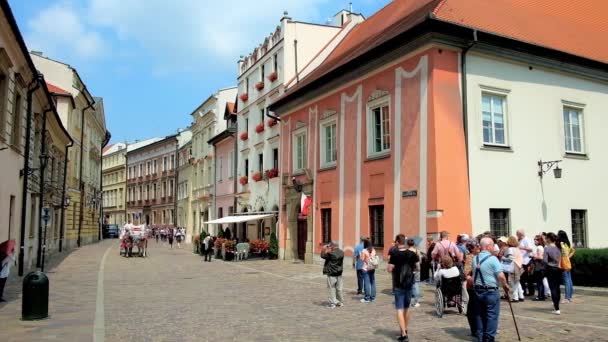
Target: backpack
x,y
406,277
373,262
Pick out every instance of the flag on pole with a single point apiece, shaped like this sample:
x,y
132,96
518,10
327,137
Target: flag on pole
x,y
305,203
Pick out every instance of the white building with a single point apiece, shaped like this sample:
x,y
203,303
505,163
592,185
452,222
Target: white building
x,y
287,55
550,112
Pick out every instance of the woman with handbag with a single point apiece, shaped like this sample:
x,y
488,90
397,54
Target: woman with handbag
x,y
563,243
538,268
370,263
552,260
512,264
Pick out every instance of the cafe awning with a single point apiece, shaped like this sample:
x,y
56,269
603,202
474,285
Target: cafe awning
x,y
239,218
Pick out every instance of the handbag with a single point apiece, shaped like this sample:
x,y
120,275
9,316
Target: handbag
x,y
565,263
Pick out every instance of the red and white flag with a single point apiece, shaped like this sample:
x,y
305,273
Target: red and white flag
x,y
305,203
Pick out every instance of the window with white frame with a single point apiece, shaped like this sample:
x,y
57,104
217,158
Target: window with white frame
x,y
299,151
379,127
494,118
329,152
573,130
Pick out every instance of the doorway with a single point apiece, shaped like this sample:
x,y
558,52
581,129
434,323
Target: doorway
x,y
302,236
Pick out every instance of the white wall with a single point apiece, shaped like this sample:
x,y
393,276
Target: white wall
x,y
508,179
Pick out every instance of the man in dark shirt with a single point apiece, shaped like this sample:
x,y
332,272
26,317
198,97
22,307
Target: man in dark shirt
x,y
402,266
334,260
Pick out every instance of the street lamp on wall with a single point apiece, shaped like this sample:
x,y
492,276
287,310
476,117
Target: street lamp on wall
x,y
544,167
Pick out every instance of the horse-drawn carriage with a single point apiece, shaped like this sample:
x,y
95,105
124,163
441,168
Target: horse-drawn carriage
x,y
134,236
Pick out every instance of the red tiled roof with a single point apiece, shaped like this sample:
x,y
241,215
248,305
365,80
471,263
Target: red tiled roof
x,y
105,149
575,27
56,90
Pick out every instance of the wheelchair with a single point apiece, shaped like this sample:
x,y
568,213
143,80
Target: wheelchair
x,y
449,291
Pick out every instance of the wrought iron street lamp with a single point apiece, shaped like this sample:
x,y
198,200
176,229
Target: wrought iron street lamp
x,y
544,167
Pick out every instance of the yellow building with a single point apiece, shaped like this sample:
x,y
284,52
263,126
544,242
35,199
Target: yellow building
x,y
114,184
83,116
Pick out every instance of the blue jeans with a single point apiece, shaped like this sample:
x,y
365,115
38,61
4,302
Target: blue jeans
x,y
567,278
487,312
369,278
416,288
360,285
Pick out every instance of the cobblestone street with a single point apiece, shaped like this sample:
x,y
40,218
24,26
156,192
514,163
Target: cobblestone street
x,y
173,296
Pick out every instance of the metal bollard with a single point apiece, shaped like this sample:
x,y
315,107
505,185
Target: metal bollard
x,y
35,301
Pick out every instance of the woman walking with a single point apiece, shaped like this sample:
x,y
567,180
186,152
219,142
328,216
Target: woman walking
x,y
552,257
567,252
539,267
170,235
512,264
370,263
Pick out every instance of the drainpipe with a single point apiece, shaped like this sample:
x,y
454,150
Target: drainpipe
x,y
80,183
126,193
105,142
65,176
175,167
43,155
463,71
26,167
295,49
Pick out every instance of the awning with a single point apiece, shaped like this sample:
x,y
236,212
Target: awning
x,y
239,218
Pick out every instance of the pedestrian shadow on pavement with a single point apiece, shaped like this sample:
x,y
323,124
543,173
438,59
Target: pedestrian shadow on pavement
x,y
462,334
387,332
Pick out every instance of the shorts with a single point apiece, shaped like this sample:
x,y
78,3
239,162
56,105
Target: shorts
x,y
403,298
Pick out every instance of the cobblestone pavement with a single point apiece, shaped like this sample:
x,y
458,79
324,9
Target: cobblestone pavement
x,y
173,296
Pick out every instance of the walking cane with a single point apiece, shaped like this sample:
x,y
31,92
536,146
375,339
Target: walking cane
x,y
513,315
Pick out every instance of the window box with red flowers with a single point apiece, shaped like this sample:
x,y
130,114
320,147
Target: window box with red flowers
x,y
257,176
259,246
244,180
259,86
272,173
244,97
259,128
273,76
272,122
244,136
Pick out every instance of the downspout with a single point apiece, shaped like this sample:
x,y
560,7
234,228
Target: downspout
x,y
463,75
42,169
105,142
295,48
214,179
176,168
65,177
80,183
126,193
26,167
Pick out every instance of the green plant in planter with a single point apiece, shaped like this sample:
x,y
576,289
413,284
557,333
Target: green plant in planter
x,y
274,244
220,234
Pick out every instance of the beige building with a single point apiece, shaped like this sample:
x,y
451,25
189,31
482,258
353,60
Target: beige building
x,y
33,145
83,116
114,182
184,186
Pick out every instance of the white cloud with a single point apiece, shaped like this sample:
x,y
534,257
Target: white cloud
x,y
185,34
60,28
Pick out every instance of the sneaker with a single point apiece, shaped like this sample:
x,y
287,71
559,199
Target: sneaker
x,y
340,304
363,300
565,301
556,312
403,338
331,306
537,299
521,300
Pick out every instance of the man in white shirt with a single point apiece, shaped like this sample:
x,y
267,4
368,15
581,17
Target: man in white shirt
x,y
526,247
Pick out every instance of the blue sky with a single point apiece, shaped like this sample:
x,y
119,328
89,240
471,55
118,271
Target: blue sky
x,y
155,61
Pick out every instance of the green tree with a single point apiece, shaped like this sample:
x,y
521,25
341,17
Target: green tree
x,y
274,244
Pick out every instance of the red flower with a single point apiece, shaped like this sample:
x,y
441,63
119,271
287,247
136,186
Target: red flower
x,y
257,176
272,122
273,76
244,180
259,128
259,86
272,173
244,136
244,97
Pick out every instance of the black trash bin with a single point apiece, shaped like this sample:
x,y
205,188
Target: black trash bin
x,y
35,302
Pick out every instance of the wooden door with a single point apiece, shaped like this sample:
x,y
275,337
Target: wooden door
x,y
302,236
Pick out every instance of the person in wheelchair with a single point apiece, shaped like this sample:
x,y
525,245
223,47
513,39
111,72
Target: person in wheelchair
x,y
449,283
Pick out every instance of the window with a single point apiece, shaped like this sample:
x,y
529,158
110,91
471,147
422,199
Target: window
x,y
154,187
261,162
326,225
16,131
231,165
141,170
247,167
246,84
579,228
263,73
376,227
299,152
262,115
171,188
220,213
221,169
499,222
154,167
3,83
494,119
246,124
275,158
148,168
573,130
329,153
164,164
172,162
147,192
275,63
164,189
379,132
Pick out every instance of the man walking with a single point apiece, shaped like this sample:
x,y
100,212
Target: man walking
x,y
446,247
334,259
525,247
402,266
358,264
487,273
